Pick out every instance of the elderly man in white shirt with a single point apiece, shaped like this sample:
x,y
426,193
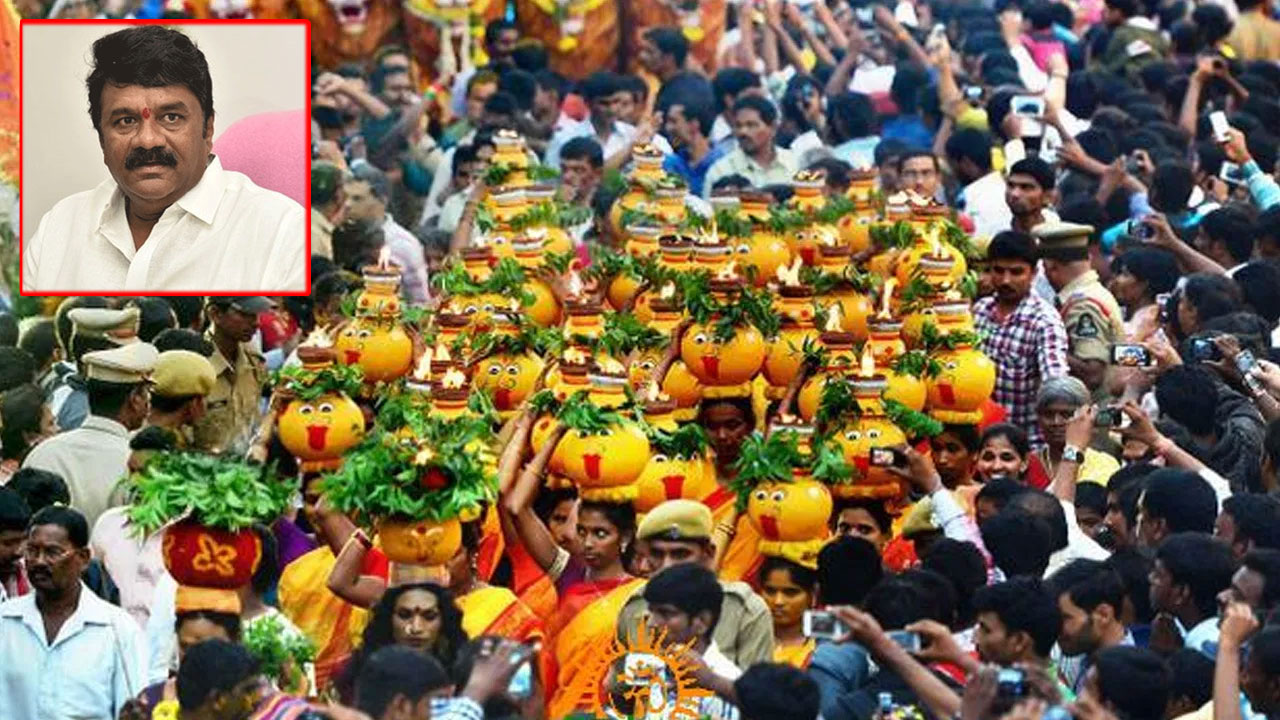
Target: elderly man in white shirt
x,y
171,217
367,196
67,653
756,157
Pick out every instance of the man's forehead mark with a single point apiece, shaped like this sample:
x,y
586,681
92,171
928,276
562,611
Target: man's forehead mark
x,y
146,113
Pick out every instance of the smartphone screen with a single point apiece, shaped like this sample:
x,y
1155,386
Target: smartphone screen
x,y
1218,120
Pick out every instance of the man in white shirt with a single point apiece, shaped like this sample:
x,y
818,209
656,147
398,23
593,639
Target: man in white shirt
x,y
601,90
93,457
67,653
684,606
983,195
170,218
367,195
757,157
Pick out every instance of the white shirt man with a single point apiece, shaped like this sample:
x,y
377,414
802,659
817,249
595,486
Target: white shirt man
x,y
90,669
621,137
224,234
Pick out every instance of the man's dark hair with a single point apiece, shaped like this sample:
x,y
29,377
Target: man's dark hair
x,y
1182,498
1135,681
1134,565
962,564
1191,677
1019,542
69,519
971,144
889,150
40,488
875,508
1089,583
729,82
1171,187
1047,507
1232,227
8,330
154,437
397,670
917,153
851,115
584,148
530,55
1013,245
17,368
183,339
150,56
521,85
1256,519
909,83
355,241
495,28
698,109
21,410
326,178
765,109
778,692
735,181
1091,496
669,41
1202,563
463,155
38,340
1259,283
106,399
211,667
1267,564
1211,295
155,316
599,85
1187,394
187,308
691,588
501,103
1023,604
14,513
847,570
897,601
1038,170
1156,266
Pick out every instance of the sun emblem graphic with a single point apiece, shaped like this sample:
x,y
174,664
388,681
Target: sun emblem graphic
x,y
643,678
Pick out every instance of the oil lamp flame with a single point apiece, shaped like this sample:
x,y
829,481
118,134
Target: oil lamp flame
x,y
609,366
653,392
318,338
790,276
833,319
889,286
423,370
573,284
384,257
728,272
575,356
442,353
667,292
935,238
536,234
453,379
868,364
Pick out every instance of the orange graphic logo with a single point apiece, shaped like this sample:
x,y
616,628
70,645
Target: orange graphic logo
x,y
643,678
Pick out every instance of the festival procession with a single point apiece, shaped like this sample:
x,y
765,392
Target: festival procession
x,y
718,360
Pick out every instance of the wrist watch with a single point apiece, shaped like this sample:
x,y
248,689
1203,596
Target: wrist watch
x,y
1072,454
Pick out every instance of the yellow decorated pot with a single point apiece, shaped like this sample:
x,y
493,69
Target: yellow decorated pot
x,y
605,465
622,289
856,441
944,271
673,478
884,338
855,229
729,363
840,362
420,542
683,386
794,511
675,252
381,348
967,379
906,389
862,185
509,378
766,253
545,310
642,240
319,431
855,307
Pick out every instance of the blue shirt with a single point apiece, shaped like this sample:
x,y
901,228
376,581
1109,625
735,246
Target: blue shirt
x,y
95,664
858,152
694,175
909,129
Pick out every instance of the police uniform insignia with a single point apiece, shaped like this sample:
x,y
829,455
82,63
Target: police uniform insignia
x,y
1086,327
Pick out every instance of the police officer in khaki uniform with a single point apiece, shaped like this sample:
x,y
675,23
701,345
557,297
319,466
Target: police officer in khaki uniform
x,y
92,329
93,457
232,407
680,531
1090,313
180,383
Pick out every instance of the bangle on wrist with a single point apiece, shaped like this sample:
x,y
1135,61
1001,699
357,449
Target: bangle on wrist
x,y
362,537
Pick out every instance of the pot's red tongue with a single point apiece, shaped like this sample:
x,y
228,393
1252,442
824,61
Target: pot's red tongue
x,y
316,436
948,393
769,527
711,365
674,485
353,357
863,463
806,254
592,465
502,398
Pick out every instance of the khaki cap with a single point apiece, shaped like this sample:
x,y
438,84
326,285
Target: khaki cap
x,y
182,373
1062,240
126,365
677,520
117,326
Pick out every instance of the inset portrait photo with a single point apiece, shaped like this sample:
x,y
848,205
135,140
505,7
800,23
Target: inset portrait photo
x,y
165,158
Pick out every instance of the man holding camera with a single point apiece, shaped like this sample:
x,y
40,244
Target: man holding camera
x,y
1090,313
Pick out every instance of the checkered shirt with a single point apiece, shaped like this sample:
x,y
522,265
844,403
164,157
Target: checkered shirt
x,y
1027,346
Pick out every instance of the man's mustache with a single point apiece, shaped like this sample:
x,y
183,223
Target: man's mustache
x,y
149,156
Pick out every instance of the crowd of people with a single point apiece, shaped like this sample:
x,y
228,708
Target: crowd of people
x,y
1104,545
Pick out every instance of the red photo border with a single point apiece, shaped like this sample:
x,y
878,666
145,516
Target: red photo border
x,y
22,96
